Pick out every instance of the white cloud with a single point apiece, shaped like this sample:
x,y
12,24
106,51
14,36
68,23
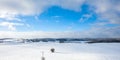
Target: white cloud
x,y
11,9
10,25
70,4
56,16
39,34
85,17
104,32
107,10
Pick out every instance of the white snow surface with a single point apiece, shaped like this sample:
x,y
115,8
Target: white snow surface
x,y
63,51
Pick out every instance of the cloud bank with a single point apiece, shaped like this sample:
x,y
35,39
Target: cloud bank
x,y
113,32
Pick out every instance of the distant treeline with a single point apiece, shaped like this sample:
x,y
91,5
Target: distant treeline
x,y
105,40
60,40
67,40
70,40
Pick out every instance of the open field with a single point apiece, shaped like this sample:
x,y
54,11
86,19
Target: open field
x,y
64,51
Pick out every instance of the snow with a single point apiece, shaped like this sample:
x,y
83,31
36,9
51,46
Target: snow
x,y
64,51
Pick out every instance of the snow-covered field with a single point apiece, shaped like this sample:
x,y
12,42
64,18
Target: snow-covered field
x,y
64,51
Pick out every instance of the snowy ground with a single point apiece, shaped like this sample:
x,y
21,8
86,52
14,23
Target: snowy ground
x,y
64,51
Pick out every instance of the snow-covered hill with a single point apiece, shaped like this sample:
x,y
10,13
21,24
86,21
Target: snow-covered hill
x,y
64,51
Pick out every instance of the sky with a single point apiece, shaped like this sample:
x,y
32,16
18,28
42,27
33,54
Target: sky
x,y
59,19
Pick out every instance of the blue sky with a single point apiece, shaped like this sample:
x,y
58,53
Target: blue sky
x,y
75,18
58,19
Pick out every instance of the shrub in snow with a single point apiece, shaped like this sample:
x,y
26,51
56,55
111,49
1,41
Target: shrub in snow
x,y
52,50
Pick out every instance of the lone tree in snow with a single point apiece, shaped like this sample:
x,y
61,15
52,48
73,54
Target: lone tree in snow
x,y
52,50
